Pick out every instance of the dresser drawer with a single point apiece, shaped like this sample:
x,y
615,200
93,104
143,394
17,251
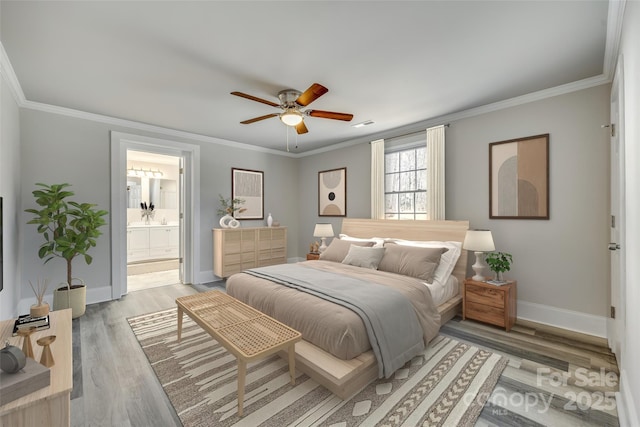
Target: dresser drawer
x,y
485,313
486,296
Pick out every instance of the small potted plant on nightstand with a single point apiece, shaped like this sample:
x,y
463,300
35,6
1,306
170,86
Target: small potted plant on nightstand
x,y
499,262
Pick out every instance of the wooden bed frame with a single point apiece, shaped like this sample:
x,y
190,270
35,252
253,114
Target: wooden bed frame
x,y
347,377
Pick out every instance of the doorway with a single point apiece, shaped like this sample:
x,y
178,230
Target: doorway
x,y
153,220
188,189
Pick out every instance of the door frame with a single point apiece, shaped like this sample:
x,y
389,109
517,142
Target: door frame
x,y
616,327
190,153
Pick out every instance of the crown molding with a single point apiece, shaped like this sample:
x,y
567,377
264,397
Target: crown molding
x,y
9,76
615,18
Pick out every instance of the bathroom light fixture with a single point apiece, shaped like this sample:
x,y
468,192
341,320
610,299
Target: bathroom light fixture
x,y
144,172
291,117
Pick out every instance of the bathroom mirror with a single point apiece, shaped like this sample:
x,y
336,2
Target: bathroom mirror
x,y
163,193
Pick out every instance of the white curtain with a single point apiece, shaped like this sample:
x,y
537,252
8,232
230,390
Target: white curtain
x,y
435,173
377,179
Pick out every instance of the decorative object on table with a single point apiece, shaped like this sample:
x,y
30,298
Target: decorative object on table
x,y
41,308
12,359
519,178
248,186
147,212
269,221
70,229
332,192
478,241
47,357
499,262
228,207
276,223
323,231
26,321
31,377
27,348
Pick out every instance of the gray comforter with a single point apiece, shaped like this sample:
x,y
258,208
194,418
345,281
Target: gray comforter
x,y
394,313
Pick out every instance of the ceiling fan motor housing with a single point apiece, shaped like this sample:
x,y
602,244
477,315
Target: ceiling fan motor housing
x,y
288,97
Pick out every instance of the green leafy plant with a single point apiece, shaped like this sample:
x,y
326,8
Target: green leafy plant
x,y
230,206
69,228
499,262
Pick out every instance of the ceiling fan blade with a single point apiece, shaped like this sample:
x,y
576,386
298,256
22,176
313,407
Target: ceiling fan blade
x,y
254,98
314,92
330,115
301,128
257,119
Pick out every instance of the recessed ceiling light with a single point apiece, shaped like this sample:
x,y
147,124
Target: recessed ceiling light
x,y
362,124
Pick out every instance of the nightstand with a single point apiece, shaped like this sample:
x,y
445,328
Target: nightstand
x,y
490,303
312,256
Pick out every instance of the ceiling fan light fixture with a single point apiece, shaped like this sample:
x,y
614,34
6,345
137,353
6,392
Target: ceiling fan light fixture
x,y
291,117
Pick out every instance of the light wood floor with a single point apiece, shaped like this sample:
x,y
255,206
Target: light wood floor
x,y
114,384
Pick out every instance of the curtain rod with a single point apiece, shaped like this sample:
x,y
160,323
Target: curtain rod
x,y
412,133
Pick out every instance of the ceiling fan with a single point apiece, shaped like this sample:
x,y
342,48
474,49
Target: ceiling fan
x,y
291,101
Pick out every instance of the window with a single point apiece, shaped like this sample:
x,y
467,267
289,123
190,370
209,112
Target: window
x,y
405,184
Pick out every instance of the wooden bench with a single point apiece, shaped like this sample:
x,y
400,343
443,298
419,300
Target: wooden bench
x,y
244,331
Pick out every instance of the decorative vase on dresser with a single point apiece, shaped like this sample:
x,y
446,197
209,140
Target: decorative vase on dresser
x,y
269,221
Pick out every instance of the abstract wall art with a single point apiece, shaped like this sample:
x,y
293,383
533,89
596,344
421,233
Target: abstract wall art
x,y
248,185
519,178
332,192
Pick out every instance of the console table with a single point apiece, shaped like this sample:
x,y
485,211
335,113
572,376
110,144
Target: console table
x,y
50,405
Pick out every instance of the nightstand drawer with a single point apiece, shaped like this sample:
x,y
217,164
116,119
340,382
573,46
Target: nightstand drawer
x,y
485,313
486,296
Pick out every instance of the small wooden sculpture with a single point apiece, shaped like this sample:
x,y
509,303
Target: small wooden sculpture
x,y
47,357
27,348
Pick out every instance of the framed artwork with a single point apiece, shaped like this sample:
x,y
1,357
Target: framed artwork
x,y
519,178
332,192
248,185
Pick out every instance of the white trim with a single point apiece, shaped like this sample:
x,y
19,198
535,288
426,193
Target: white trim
x,y
627,414
120,143
561,318
94,296
207,277
615,17
9,75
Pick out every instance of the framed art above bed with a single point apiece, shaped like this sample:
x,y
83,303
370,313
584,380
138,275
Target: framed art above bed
x,y
332,192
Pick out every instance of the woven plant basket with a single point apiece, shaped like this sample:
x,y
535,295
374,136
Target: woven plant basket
x,y
72,296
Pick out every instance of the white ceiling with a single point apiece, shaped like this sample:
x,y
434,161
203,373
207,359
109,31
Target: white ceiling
x,y
174,64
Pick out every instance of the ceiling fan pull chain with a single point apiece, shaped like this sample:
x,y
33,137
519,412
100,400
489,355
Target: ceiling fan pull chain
x,y
287,138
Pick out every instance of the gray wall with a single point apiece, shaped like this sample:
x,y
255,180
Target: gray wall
x,y
562,262
10,192
57,148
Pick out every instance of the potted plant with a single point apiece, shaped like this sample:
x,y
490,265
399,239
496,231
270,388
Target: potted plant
x,y
69,229
227,208
499,262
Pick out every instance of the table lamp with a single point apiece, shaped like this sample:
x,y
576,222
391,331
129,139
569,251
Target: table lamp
x,y
323,231
478,241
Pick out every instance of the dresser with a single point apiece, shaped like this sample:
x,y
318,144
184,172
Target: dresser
x,y
237,249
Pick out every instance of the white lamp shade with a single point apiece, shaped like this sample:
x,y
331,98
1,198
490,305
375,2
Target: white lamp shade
x,y
323,230
478,241
291,117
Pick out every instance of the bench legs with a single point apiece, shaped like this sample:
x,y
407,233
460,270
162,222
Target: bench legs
x,y
292,363
242,372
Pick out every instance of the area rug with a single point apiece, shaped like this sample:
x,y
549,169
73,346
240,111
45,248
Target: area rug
x,y
447,385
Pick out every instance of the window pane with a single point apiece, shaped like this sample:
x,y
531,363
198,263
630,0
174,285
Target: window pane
x,y
421,158
421,202
391,216
407,160
391,182
391,162
421,180
406,216
391,203
407,181
406,202
421,216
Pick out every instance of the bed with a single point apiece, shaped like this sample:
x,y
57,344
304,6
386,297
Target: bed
x,y
336,354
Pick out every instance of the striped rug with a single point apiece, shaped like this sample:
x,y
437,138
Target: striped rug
x,y
447,385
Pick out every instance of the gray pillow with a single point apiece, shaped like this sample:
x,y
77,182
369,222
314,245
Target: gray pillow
x,y
338,249
362,256
411,261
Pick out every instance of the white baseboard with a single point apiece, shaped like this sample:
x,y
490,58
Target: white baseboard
x,y
94,296
565,319
207,277
627,414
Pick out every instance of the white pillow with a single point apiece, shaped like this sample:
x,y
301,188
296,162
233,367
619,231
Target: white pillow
x,y
448,259
362,256
378,241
